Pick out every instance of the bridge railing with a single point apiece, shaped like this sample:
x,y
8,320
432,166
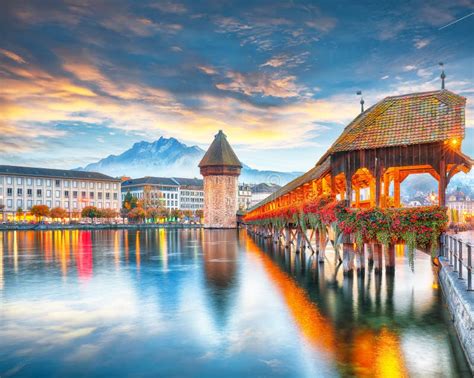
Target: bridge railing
x,y
459,254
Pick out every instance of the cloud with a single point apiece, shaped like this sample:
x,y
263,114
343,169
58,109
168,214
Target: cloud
x,y
11,55
421,42
323,24
209,70
409,68
286,61
169,7
264,84
424,73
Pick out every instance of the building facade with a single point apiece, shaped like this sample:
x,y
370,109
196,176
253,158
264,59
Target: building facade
x,y
220,168
244,196
24,187
173,193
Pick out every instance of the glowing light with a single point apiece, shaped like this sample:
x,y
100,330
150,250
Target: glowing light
x,y
454,142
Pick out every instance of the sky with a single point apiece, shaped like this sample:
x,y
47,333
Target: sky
x,y
80,80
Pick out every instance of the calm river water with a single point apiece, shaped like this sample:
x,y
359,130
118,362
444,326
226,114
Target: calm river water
x,y
210,303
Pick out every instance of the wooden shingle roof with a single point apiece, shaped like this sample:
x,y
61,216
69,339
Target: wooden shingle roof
x,y
402,120
220,153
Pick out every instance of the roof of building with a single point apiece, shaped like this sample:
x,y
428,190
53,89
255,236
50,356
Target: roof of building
x,y
57,173
189,181
414,118
220,153
148,180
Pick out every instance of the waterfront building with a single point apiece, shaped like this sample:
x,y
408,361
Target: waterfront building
x,y
461,206
153,191
190,193
24,187
170,192
244,196
220,168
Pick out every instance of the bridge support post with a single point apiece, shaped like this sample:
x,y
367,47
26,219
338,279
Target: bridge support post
x,y
377,249
322,242
287,237
389,255
370,253
348,258
361,261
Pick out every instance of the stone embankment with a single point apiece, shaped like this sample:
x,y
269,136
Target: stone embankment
x,y
40,227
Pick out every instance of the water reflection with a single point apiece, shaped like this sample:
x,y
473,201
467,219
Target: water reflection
x,y
208,303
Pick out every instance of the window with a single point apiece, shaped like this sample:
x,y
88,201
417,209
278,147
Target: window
x,y
83,194
9,192
115,196
99,195
107,186
58,193
115,186
99,185
19,192
10,203
107,196
74,184
38,202
66,193
9,180
29,192
66,205
29,182
39,182
48,203
115,205
83,184
91,185
99,205
19,181
91,195
74,205
107,205
48,194
48,182
19,203
74,194
58,203
92,203
29,203
66,184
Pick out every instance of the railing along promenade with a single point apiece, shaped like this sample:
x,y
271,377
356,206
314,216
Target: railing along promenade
x,y
459,255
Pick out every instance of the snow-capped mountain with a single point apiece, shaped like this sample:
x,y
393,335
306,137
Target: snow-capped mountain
x,y
170,157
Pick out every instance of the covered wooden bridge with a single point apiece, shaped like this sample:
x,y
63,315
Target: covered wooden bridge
x,y
398,136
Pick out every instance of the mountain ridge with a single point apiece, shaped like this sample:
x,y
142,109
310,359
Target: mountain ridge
x,y
170,157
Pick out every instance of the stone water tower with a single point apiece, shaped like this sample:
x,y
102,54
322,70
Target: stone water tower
x,y
220,168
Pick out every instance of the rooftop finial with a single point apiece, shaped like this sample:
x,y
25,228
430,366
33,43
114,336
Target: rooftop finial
x,y
359,93
443,75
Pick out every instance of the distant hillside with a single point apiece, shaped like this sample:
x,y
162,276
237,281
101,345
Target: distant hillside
x,y
170,157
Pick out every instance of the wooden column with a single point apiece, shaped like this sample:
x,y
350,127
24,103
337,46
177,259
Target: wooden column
x,y
389,255
386,184
396,187
357,202
442,182
348,258
348,195
378,175
377,250
372,193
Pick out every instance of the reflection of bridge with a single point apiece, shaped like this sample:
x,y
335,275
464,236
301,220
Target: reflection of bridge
x,y
367,351
398,136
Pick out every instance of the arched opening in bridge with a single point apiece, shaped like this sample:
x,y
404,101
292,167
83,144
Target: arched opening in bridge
x,y
419,189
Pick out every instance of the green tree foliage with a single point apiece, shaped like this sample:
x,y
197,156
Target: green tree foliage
x,y
58,213
40,211
90,212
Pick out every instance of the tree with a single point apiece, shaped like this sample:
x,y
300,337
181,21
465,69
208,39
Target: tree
x,y
199,213
124,213
90,212
58,213
187,213
108,214
19,212
176,214
127,201
164,212
40,211
153,213
137,214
